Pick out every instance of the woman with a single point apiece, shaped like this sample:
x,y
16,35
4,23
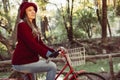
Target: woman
x,y
30,46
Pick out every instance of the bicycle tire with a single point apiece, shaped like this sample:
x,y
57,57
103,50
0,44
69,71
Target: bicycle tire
x,y
29,76
89,76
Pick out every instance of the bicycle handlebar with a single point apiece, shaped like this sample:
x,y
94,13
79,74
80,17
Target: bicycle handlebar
x,y
61,51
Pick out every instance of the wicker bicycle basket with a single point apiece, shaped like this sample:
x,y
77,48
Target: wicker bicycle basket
x,y
76,56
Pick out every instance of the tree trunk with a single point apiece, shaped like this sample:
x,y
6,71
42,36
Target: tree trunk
x,y
104,21
70,33
1,58
44,27
69,26
101,21
109,29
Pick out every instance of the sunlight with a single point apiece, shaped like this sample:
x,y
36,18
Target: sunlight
x,y
59,2
118,65
102,69
57,79
56,2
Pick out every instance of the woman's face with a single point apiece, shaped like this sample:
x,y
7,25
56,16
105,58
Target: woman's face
x,y
30,12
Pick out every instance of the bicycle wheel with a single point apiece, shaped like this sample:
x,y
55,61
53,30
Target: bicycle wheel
x,y
89,76
29,76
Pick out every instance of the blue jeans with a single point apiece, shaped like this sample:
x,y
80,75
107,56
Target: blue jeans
x,y
40,66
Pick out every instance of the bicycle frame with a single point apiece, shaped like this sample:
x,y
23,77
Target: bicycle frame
x,y
71,71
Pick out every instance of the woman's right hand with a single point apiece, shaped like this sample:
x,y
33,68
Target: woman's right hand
x,y
54,54
60,50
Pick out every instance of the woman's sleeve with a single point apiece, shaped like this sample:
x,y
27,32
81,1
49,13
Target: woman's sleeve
x,y
41,43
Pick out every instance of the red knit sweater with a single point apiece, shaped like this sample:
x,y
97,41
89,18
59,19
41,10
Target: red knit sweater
x,y
28,48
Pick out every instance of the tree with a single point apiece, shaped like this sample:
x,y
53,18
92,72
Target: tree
x,y
104,21
68,21
118,8
67,18
10,40
44,20
5,23
87,18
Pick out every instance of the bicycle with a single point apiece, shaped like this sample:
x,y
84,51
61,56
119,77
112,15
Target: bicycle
x,y
72,74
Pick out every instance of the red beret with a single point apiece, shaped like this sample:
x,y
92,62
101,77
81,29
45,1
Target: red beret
x,y
25,5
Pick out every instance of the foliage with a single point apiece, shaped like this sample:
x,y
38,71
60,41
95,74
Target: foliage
x,y
41,3
79,33
86,21
4,74
7,21
3,26
3,51
58,34
111,13
41,75
61,35
118,8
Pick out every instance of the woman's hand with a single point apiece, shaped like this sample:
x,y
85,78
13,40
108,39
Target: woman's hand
x,y
54,54
60,52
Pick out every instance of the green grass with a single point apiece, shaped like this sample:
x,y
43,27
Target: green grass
x,y
101,65
4,74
